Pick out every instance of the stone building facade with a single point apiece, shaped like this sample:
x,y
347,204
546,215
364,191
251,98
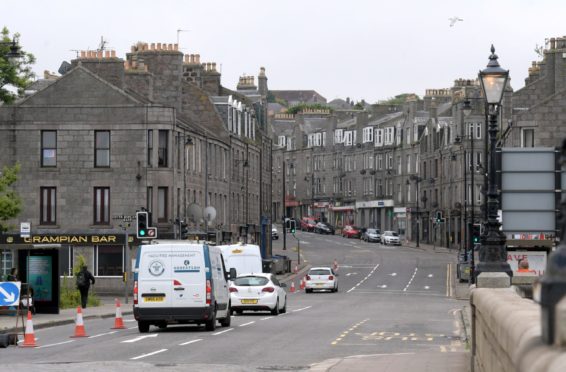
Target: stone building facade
x,y
115,135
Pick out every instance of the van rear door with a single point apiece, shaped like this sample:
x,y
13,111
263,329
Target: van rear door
x,y
189,275
154,277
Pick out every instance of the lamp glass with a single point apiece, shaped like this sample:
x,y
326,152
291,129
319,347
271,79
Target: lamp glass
x,y
493,86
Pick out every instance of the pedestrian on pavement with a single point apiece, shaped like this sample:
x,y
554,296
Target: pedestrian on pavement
x,y
84,278
13,276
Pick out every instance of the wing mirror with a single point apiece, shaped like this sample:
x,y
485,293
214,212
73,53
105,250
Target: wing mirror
x,y
233,273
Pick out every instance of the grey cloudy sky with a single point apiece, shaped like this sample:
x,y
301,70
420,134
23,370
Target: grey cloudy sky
x,y
360,49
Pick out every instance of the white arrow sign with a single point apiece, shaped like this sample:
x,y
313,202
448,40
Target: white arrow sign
x,y
9,293
393,274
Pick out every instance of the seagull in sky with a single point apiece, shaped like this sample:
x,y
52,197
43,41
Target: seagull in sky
x,y
453,20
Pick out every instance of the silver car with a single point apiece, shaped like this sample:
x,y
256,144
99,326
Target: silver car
x,y
371,235
390,237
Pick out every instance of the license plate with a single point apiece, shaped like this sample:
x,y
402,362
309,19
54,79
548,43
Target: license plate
x,y
249,302
153,299
319,284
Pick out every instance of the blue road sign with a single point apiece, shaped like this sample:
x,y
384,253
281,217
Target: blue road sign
x,y
9,293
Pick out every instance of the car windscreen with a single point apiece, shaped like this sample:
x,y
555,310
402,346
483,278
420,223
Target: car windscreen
x,y
372,231
251,281
319,272
394,234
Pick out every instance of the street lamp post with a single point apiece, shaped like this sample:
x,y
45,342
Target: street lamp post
x,y
493,253
417,180
467,110
14,52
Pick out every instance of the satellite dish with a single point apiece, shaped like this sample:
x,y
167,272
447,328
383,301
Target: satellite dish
x,y
64,68
209,214
194,212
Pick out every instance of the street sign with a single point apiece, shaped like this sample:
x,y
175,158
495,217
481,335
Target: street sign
x,y
124,218
9,293
151,233
25,229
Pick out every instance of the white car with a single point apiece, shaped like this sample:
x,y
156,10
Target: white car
x,y
321,278
258,292
274,233
390,237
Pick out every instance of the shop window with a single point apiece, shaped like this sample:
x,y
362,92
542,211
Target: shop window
x,y
163,148
109,260
66,261
6,263
101,205
48,206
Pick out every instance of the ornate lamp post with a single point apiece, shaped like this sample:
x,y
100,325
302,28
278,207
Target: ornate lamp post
x,y
14,53
417,180
493,253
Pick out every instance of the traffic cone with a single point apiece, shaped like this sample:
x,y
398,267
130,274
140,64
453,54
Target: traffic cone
x,y
118,321
303,283
79,324
29,336
292,287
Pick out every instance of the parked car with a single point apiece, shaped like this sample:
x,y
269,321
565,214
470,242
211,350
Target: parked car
x,y
390,237
372,235
321,278
274,233
351,232
324,228
258,292
308,224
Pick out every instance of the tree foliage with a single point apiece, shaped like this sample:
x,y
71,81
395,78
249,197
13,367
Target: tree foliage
x,y
10,202
307,106
16,74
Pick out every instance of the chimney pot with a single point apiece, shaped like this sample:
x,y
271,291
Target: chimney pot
x,y
158,46
113,54
106,54
99,54
213,66
175,46
197,58
152,46
552,43
83,54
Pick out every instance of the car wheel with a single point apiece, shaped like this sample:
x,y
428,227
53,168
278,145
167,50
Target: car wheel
x,y
226,321
308,290
284,309
210,325
143,327
162,325
275,310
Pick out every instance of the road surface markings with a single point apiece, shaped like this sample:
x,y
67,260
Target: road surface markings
x,y
430,275
129,320
221,332
35,338
139,338
383,286
246,324
58,343
393,274
266,318
133,327
148,354
190,342
426,287
102,334
345,333
304,308
364,279
448,289
411,280
351,274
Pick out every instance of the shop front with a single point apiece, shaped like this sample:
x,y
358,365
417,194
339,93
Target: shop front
x,y
47,261
375,213
342,215
320,211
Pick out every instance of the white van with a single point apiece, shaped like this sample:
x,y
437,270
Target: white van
x,y
176,282
245,258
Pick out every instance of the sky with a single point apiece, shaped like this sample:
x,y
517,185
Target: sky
x,y
362,49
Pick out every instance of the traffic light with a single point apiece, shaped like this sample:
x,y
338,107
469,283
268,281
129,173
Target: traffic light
x,y
184,230
476,233
141,224
291,226
438,217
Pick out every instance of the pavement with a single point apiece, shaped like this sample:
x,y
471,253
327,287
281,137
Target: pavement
x,y
438,362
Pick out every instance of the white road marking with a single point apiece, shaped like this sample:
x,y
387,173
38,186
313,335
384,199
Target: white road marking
x,y
102,334
411,280
384,286
304,308
221,332
129,320
59,343
190,342
393,274
426,287
133,327
363,280
139,338
430,275
20,341
269,317
248,323
148,354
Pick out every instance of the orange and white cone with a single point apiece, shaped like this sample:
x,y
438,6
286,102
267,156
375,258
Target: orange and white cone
x,y
29,336
118,321
303,283
79,324
292,287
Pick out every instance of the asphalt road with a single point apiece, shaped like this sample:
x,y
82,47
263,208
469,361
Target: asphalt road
x,y
391,300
